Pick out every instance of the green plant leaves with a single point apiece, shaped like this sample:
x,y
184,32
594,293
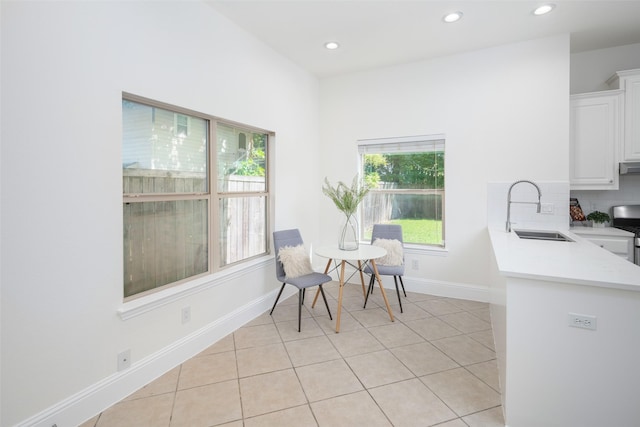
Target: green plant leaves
x,y
346,198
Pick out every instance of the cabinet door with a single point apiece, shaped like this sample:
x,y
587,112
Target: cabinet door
x,y
620,246
595,140
613,242
631,85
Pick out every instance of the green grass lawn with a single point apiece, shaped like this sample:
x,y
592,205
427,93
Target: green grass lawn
x,y
420,231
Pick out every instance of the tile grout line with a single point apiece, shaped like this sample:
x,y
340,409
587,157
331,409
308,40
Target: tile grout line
x,y
235,354
367,324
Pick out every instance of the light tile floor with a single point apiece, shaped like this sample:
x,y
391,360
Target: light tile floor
x,y
435,365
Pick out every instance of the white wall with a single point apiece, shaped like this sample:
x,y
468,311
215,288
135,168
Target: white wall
x,y
505,114
590,70
64,67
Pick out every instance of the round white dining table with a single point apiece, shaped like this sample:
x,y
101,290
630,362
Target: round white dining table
x,y
363,255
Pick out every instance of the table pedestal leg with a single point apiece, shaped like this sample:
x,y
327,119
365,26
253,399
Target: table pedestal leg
x,y
384,295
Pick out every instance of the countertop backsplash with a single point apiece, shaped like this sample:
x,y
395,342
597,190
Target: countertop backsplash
x,y
555,197
603,200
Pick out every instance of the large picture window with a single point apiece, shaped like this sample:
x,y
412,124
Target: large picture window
x,y
406,177
195,194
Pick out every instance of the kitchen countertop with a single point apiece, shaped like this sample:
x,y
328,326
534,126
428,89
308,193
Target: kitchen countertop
x,y
580,262
599,231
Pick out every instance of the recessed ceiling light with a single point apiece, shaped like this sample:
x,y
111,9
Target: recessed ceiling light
x,y
331,45
544,9
452,17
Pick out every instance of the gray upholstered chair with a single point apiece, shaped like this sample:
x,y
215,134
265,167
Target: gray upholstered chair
x,y
391,232
292,239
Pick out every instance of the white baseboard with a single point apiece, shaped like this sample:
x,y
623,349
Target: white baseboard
x,y
439,288
89,402
445,289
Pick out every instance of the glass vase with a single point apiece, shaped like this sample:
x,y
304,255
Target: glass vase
x,y
348,240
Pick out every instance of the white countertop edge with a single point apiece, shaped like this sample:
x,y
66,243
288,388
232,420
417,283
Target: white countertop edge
x,y
580,262
573,281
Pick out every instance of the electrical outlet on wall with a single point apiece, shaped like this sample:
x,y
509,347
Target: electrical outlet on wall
x,y
584,321
124,359
546,208
186,315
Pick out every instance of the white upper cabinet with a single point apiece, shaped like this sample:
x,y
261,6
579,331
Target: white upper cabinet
x,y
596,131
629,82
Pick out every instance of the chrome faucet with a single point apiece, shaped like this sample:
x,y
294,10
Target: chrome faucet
x,y
508,225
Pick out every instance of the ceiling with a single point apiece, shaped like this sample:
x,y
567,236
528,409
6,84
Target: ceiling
x,y
378,33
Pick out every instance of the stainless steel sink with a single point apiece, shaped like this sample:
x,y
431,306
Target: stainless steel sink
x,y
553,236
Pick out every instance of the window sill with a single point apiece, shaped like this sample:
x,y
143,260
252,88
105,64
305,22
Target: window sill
x,y
137,307
425,250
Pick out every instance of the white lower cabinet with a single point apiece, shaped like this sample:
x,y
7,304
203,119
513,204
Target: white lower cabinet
x,y
614,240
596,129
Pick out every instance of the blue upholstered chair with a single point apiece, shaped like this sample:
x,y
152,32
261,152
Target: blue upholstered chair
x,y
292,239
390,232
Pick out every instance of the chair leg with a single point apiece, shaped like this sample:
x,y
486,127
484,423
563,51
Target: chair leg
x,y
325,301
369,290
402,283
300,299
277,298
304,291
395,279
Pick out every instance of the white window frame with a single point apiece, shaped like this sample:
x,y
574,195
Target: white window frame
x,y
212,196
406,144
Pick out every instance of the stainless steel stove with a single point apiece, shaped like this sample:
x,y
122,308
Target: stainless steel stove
x,y
627,217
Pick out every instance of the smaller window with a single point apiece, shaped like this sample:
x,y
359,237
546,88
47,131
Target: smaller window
x,y
181,125
406,176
